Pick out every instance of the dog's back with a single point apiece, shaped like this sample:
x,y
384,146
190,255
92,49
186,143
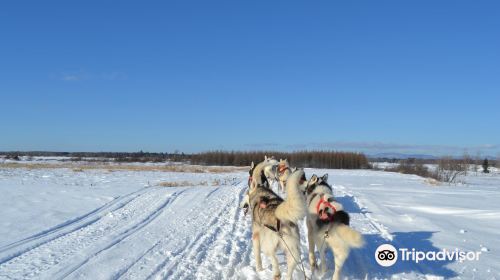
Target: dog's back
x,y
264,215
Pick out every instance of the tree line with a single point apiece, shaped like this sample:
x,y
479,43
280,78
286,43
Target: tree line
x,y
114,156
317,159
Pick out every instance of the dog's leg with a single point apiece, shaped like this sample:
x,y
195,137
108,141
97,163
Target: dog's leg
x,y
256,250
276,266
340,253
310,239
322,253
292,255
291,265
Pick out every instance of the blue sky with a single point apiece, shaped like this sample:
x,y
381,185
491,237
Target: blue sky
x,y
373,76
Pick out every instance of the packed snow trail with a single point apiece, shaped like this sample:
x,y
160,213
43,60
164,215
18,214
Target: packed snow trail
x,y
193,233
166,233
152,233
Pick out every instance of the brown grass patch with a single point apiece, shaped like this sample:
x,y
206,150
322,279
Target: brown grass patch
x,y
182,184
175,184
432,181
110,167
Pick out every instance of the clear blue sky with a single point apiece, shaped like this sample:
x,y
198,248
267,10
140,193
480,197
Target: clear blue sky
x,y
376,76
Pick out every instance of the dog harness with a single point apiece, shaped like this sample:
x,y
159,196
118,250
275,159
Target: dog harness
x,y
275,229
323,201
282,168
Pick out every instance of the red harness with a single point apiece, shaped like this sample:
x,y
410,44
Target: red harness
x,y
324,215
282,168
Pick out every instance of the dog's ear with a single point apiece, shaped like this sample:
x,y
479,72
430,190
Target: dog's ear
x,y
265,158
311,185
294,169
252,165
325,178
313,180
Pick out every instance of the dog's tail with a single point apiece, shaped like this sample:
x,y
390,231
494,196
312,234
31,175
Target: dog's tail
x,y
293,209
351,237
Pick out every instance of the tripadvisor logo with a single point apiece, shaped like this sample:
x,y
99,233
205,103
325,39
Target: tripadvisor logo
x,y
387,255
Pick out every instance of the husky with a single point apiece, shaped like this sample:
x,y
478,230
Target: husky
x,y
274,222
256,177
282,173
257,174
271,165
328,225
266,168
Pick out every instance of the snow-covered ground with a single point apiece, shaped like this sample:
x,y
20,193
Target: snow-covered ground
x,y
97,224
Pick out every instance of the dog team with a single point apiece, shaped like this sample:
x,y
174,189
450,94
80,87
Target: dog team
x,y
275,220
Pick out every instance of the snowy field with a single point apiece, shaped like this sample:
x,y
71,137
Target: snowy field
x,y
107,224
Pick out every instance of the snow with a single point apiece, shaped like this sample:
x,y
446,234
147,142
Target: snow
x,y
97,224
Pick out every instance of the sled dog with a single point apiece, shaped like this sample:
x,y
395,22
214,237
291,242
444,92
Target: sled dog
x,y
263,172
282,172
328,225
256,177
271,165
274,222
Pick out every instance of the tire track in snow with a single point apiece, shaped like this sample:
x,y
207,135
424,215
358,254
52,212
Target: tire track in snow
x,y
223,255
17,248
61,251
211,253
150,218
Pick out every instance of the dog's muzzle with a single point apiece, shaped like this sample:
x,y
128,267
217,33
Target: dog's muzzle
x,y
245,209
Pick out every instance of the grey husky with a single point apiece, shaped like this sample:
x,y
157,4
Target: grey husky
x,y
274,220
328,225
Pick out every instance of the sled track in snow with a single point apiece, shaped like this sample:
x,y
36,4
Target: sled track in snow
x,y
149,227
76,240
17,248
210,252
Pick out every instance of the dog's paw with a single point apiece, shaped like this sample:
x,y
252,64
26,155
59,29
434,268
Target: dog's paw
x,y
313,264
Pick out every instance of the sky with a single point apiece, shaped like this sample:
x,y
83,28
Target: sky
x,y
371,76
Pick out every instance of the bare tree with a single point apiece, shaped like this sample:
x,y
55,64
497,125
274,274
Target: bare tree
x,y
477,162
449,169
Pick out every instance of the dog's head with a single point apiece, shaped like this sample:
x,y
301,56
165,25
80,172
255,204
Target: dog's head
x,y
297,179
270,160
252,168
317,181
250,173
283,170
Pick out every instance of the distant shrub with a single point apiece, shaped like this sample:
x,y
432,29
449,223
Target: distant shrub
x,y
447,169
486,166
13,157
410,166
